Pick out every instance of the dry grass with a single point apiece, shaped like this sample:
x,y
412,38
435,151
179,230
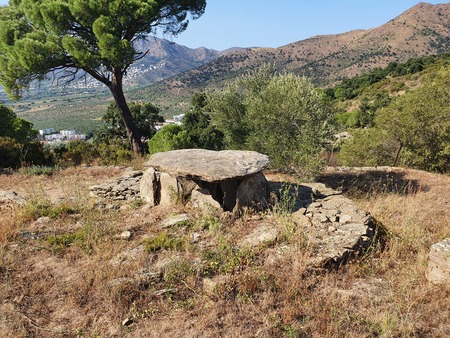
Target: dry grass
x,y
70,276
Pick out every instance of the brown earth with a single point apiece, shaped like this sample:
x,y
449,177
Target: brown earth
x,y
73,275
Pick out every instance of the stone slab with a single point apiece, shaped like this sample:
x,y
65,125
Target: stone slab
x,y
209,165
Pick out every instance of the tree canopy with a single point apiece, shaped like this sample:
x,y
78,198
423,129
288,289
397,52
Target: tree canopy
x,y
281,115
41,37
414,130
145,116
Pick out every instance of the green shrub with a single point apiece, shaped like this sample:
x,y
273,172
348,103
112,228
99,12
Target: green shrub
x,y
76,153
10,153
367,147
37,170
163,241
34,209
168,138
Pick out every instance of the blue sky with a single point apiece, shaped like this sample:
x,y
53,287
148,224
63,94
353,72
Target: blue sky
x,y
264,23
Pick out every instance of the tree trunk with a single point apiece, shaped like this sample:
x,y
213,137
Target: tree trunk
x,y
397,154
133,134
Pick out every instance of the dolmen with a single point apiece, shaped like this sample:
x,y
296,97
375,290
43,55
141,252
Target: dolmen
x,y
230,179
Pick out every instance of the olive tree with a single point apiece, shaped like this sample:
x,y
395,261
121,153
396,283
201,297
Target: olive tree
x,y
414,130
41,37
281,115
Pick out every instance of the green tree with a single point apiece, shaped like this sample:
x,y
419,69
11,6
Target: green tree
x,y
197,128
40,37
15,127
145,116
281,115
368,147
168,138
414,130
420,121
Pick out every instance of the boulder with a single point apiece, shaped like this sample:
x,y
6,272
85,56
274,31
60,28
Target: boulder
x,y
253,192
202,199
149,187
439,263
168,191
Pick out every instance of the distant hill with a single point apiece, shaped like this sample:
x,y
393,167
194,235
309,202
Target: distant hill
x,y
163,59
422,30
169,74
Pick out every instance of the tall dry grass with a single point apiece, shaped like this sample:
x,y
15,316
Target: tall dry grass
x,y
69,286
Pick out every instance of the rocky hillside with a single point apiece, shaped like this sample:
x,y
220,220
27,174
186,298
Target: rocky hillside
x,y
422,30
165,59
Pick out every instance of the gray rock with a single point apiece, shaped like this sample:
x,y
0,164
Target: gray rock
x,y
208,165
202,199
172,221
263,233
253,192
149,187
125,235
439,263
168,190
11,197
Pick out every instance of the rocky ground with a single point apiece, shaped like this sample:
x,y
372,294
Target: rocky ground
x,y
319,265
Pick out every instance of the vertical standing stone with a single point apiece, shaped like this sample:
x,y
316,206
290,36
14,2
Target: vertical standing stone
x,y
169,193
149,187
439,262
253,192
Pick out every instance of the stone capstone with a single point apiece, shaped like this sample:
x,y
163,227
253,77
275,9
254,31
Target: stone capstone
x,y
439,263
230,180
209,165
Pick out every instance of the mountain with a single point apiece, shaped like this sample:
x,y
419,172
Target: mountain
x,y
422,30
162,59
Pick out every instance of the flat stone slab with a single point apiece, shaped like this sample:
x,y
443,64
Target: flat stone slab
x,y
209,165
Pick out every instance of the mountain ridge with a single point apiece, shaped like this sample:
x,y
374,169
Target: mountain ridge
x,y
423,29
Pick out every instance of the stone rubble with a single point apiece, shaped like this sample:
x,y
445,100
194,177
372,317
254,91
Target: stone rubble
x,y
124,188
333,226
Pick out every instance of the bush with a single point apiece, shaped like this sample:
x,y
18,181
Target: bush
x,y
168,138
367,147
10,153
76,153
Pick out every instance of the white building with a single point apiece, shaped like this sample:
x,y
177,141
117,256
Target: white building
x,y
47,131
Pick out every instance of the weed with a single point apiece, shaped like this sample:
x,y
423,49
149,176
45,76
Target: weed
x,y
207,222
164,241
38,170
226,259
178,270
288,195
83,238
34,209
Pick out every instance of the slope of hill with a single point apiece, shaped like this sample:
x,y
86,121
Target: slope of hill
x,y
422,30
86,271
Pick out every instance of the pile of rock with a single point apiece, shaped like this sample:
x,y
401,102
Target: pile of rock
x,y
230,180
334,227
123,188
